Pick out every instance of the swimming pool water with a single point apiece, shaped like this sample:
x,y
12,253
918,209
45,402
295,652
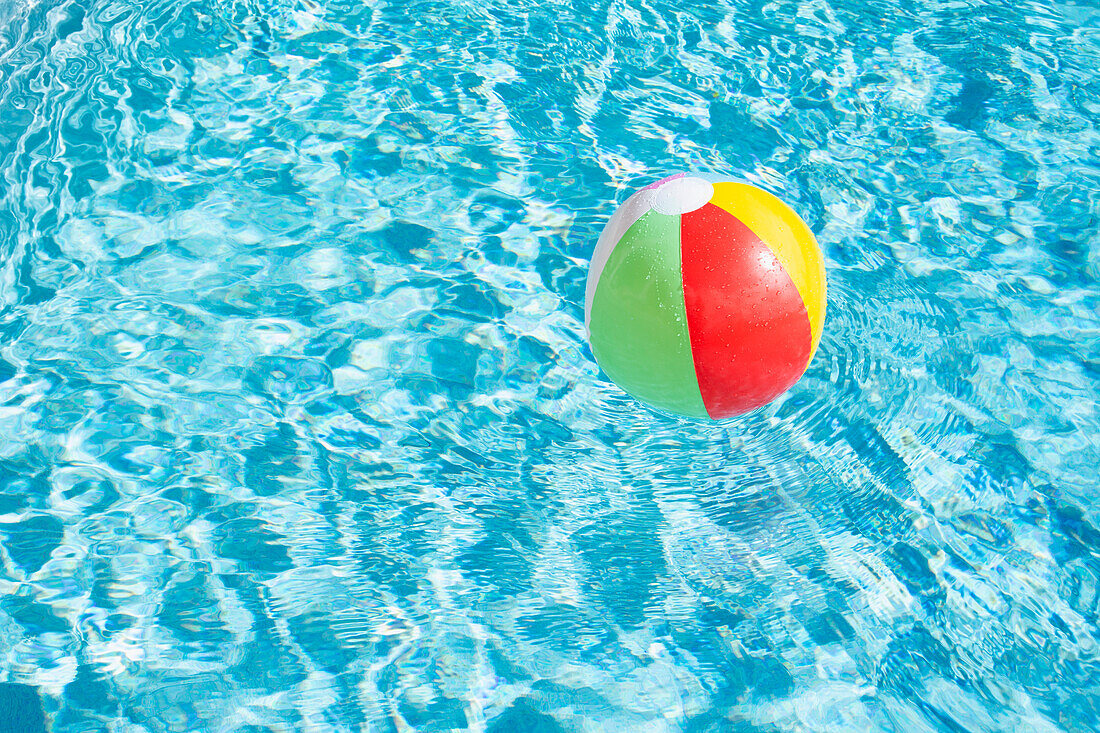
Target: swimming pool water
x,y
299,430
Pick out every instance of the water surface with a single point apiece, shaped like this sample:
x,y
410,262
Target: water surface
x,y
299,430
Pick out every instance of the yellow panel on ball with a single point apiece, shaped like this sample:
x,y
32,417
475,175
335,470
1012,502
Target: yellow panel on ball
x,y
788,237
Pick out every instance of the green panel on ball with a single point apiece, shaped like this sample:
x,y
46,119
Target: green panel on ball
x,y
638,328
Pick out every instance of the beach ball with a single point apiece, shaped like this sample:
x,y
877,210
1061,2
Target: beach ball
x,y
705,297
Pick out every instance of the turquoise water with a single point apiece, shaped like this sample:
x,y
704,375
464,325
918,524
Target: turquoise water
x,y
299,430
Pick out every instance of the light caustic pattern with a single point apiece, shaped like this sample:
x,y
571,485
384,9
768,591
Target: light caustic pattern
x,y
299,430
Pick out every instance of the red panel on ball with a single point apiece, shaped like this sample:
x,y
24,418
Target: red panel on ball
x,y
750,335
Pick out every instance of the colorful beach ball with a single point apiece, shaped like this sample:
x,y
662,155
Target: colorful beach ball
x,y
705,297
